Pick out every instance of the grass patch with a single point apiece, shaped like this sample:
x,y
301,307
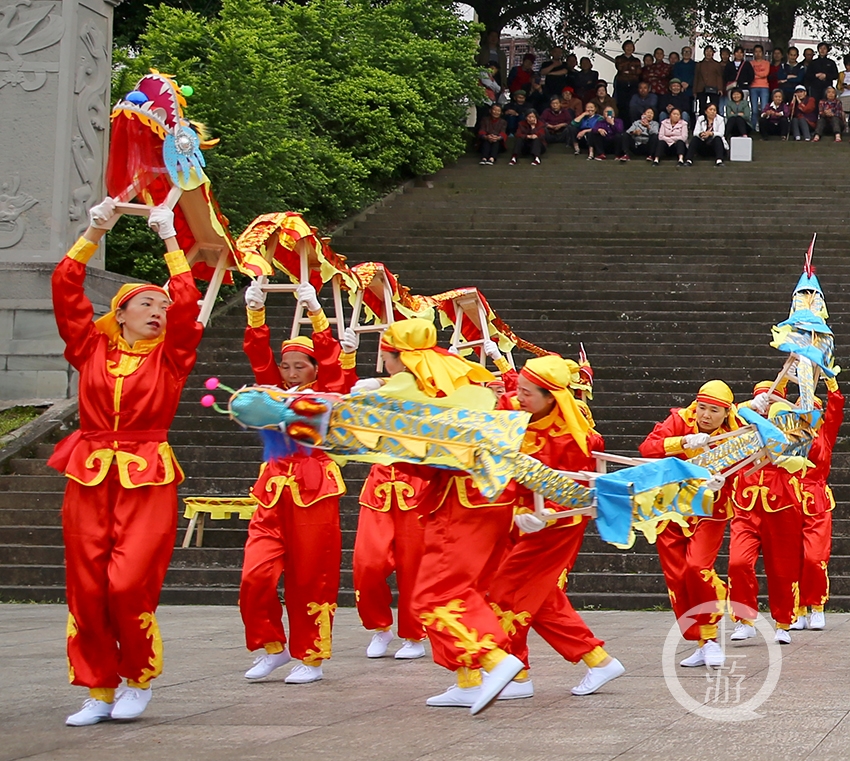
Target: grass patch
x,y
15,417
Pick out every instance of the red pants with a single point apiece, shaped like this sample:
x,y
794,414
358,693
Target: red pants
x,y
525,593
462,546
387,542
817,545
118,543
779,536
688,566
304,544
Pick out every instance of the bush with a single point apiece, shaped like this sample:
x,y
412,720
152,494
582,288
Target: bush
x,y
320,107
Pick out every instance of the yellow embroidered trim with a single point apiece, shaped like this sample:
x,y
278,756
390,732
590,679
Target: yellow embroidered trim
x,y
508,619
71,631
320,322
710,575
831,385
824,598
460,483
324,613
82,251
502,365
348,361
151,628
447,618
400,489
673,445
276,484
256,318
176,262
594,657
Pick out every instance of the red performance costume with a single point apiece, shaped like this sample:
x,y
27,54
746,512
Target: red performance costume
x,y
688,550
768,519
818,504
119,516
295,531
525,591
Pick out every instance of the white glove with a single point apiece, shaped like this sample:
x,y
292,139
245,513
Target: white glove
x,y
103,216
255,296
161,221
367,384
761,404
306,294
350,341
716,482
529,523
695,440
491,349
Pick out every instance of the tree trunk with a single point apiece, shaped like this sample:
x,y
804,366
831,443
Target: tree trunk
x,y
781,15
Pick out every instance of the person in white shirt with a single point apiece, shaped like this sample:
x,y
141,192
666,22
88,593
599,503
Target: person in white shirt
x,y
709,137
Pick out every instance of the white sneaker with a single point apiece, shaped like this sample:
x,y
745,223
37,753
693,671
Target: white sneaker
x,y
266,663
817,620
457,697
599,676
130,703
800,624
497,679
782,636
92,712
695,660
378,646
410,650
516,690
742,632
304,674
713,654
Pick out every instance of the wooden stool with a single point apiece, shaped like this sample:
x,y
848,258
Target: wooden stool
x,y
218,509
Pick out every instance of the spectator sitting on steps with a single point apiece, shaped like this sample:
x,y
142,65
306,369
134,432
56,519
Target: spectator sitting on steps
x,y
642,100
738,114
602,99
709,137
676,98
774,118
530,139
515,110
604,135
582,126
640,138
556,121
672,138
569,101
830,115
492,132
803,114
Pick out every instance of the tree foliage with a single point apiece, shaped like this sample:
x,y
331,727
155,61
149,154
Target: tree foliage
x,y
320,106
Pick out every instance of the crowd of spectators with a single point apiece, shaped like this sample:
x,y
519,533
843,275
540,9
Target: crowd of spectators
x,y
663,105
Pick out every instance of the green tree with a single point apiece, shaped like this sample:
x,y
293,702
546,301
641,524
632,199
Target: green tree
x,y
321,106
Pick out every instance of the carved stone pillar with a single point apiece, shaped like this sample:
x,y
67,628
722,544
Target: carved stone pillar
x,y
55,64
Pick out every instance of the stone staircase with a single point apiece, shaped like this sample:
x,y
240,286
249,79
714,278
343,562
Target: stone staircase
x,y
669,278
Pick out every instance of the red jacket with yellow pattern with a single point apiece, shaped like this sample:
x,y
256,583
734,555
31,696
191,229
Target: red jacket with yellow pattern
x,y
665,440
817,496
128,396
308,477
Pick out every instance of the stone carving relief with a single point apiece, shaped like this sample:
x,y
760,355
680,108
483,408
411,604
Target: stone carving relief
x,y
23,30
92,118
13,203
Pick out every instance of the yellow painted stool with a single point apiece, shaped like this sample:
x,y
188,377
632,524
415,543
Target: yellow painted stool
x,y
218,509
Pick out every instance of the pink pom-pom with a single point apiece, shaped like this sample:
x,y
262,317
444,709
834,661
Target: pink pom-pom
x,y
208,400
211,384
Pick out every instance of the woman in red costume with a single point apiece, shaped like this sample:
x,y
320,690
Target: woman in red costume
x,y
818,504
687,551
525,591
295,531
119,516
391,537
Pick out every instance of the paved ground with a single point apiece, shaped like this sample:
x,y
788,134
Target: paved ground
x,y
204,710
